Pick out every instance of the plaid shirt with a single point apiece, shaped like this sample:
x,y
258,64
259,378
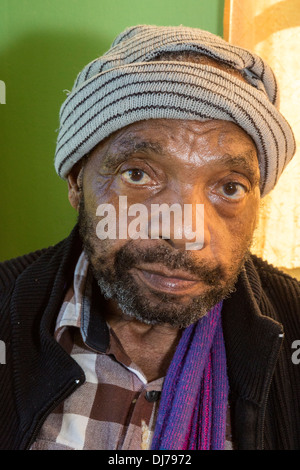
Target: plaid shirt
x,y
116,408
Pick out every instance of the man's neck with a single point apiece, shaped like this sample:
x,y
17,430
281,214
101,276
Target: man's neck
x,y
151,347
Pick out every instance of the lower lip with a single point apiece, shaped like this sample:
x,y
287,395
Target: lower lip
x,y
172,285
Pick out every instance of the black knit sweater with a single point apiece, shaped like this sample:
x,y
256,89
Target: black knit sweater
x,y
261,320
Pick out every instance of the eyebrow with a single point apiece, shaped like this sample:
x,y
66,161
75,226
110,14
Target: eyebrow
x,y
242,161
127,149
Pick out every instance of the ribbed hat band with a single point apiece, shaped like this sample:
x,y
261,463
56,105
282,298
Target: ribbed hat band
x,y
127,85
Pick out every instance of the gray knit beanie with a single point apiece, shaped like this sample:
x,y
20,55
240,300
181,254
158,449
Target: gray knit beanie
x,y
127,85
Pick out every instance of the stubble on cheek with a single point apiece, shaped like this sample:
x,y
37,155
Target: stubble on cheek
x,y
96,250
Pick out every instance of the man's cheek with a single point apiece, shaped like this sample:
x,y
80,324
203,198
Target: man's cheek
x,y
105,251
228,245
241,228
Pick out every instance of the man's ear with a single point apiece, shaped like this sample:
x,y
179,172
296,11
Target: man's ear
x,y
75,184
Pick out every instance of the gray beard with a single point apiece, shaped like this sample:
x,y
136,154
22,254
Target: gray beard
x,y
117,284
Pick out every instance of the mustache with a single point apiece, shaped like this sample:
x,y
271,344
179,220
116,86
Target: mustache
x,y
131,256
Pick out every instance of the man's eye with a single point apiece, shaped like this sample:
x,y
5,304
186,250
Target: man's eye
x,y
136,176
233,191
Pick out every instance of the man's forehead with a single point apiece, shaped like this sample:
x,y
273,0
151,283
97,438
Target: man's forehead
x,y
155,134
133,143
136,139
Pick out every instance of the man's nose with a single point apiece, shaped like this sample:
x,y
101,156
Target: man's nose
x,y
181,222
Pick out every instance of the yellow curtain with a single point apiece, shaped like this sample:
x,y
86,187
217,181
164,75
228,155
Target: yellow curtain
x,y
271,28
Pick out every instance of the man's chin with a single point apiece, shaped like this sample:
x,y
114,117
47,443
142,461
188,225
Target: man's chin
x,y
153,307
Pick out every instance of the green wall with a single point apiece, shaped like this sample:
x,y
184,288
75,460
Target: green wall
x,y
43,45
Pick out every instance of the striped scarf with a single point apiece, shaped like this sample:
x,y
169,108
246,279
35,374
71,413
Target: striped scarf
x,y
192,412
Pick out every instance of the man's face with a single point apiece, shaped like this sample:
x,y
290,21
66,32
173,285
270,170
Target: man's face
x,y
213,163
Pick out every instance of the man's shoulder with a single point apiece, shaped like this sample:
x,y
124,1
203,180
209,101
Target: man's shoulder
x,y
11,269
281,289
268,273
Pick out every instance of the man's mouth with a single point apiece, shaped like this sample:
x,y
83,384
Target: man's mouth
x,y
165,281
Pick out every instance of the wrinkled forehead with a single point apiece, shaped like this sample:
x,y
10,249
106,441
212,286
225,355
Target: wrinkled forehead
x,y
157,134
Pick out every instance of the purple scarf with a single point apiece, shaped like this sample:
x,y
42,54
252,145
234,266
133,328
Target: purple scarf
x,y
192,410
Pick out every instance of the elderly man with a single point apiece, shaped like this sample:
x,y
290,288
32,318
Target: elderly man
x,y
126,338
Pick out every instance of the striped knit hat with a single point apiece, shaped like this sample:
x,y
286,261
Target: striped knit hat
x,y
127,85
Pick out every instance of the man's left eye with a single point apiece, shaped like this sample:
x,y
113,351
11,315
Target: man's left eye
x,y
136,176
233,191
